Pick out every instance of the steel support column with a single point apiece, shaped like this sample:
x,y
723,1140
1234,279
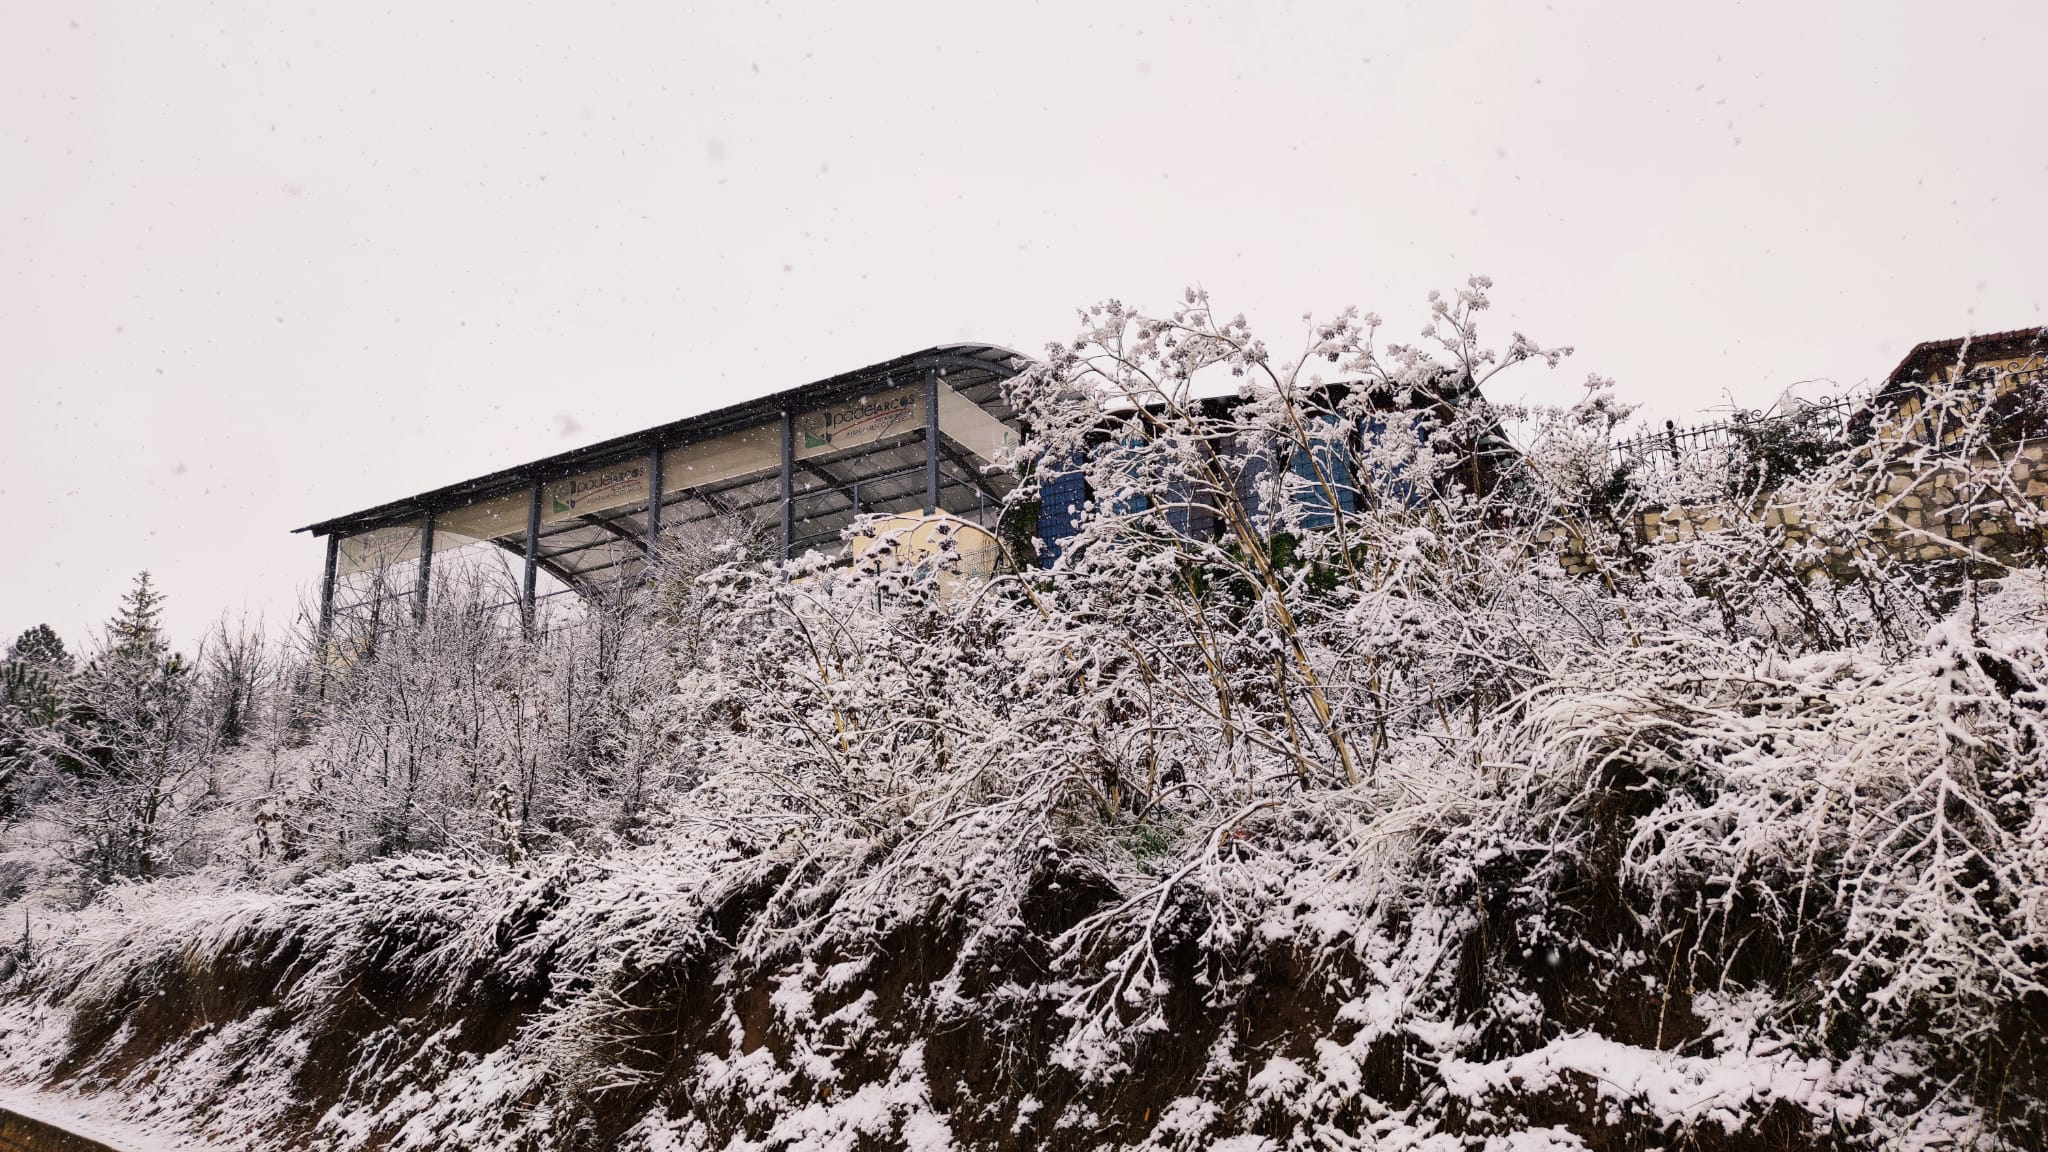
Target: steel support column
x,y
653,499
327,587
532,558
931,440
788,482
426,574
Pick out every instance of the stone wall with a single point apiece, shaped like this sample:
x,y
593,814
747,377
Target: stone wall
x,y
1926,508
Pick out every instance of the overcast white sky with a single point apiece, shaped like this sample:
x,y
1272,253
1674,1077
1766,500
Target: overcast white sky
x,y
261,264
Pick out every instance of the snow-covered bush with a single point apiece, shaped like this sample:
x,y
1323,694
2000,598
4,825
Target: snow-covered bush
x,y
1304,800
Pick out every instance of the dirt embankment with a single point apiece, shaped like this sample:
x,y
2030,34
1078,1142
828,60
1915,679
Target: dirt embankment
x,y
942,1023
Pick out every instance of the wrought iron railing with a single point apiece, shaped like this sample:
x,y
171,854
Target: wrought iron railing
x,y
1665,451
1766,447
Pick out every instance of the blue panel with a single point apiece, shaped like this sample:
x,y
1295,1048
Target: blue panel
x,y
1180,518
1251,483
1061,494
1333,459
1392,483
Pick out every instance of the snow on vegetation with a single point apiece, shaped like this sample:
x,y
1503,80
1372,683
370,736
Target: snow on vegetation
x,y
1305,801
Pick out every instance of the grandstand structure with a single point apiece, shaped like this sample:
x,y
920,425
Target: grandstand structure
x,y
919,435
916,449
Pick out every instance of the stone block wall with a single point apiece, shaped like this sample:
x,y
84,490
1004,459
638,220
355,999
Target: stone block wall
x,y
1926,507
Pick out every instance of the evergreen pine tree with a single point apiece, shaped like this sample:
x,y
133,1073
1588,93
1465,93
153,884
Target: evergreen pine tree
x,y
40,646
132,742
31,703
137,631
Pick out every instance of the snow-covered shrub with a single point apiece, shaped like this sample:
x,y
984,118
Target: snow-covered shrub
x,y
1303,801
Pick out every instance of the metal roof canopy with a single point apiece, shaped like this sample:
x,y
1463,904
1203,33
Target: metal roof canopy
x,y
929,463
956,362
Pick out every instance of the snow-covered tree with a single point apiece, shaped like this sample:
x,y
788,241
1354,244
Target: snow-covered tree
x,y
42,647
128,747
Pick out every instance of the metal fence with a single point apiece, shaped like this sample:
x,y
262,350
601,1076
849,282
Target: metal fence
x,y
1666,451
2018,405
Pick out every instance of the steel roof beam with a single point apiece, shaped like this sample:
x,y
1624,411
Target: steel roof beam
x,y
707,426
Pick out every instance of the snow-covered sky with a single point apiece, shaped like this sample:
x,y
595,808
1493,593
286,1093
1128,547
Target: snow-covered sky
x,y
264,263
